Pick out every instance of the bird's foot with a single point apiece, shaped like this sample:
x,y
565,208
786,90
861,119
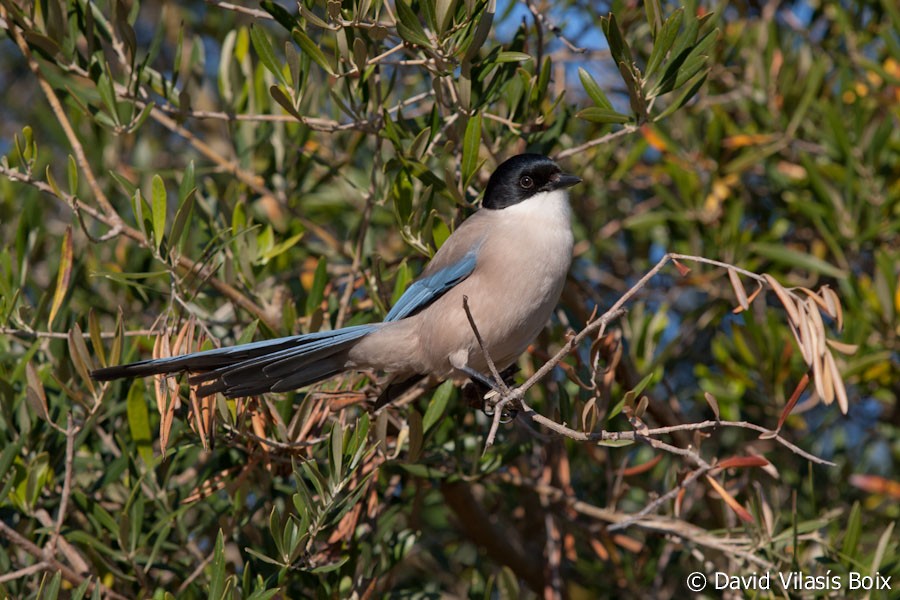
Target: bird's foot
x,y
485,393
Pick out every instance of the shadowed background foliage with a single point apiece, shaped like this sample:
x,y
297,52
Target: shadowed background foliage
x,y
178,175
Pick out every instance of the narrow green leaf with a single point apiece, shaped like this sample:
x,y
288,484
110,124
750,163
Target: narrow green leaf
x,y
266,54
63,276
796,259
310,48
602,115
336,454
618,48
654,15
73,176
284,18
593,90
471,145
96,338
280,248
437,406
108,94
663,42
852,530
139,421
409,27
182,217
282,99
509,56
684,98
158,205
217,584
317,290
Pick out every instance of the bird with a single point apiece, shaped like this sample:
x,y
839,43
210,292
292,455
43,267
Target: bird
x,y
508,261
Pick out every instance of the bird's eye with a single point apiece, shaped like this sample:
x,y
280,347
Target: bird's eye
x,y
526,182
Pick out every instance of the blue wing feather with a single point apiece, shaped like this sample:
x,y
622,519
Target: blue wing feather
x,y
428,289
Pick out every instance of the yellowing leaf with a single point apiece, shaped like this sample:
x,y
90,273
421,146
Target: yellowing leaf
x,y
63,276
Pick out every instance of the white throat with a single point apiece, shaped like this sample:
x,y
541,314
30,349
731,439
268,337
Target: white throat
x,y
551,209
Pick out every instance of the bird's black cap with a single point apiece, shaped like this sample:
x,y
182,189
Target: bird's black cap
x,y
521,177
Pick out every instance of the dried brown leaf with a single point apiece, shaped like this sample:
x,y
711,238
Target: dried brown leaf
x,y
840,392
641,408
35,393
78,352
589,415
807,341
834,303
817,299
818,378
713,403
784,297
628,543
736,462
875,484
792,401
818,327
827,380
679,501
739,290
682,270
96,337
739,510
842,347
643,467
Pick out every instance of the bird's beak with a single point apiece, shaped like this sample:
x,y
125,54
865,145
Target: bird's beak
x,y
564,180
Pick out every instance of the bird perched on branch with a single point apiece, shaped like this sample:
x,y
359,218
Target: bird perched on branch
x,y
509,260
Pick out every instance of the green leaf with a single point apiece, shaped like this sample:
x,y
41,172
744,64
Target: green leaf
x,y
284,18
73,176
139,421
217,583
618,48
317,290
509,56
266,54
334,566
437,406
850,546
182,217
158,206
684,98
654,15
63,276
310,48
336,454
409,27
593,90
615,443
663,42
796,259
280,248
471,145
602,115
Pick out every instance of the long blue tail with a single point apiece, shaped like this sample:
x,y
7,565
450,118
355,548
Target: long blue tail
x,y
278,365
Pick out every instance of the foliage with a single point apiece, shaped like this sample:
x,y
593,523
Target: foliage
x,y
183,175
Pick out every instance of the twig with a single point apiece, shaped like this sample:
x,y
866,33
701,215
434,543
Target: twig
x,y
506,396
51,563
71,432
541,19
670,495
664,525
253,12
597,142
24,571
